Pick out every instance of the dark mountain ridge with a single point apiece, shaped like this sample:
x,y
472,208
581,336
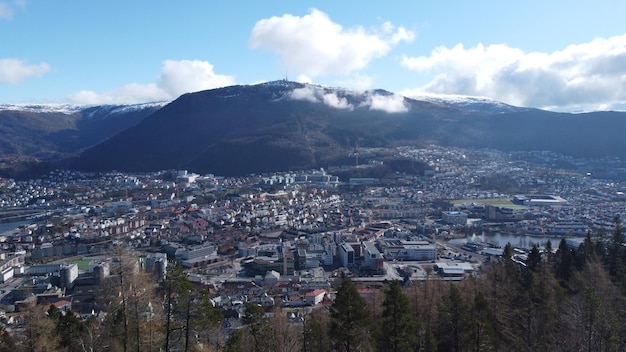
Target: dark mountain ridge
x,y
48,132
282,125
286,125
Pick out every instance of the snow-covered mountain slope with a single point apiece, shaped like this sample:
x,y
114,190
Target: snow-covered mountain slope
x,y
48,130
72,108
468,103
343,98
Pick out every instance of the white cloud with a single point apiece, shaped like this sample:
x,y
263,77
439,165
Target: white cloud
x,y
176,78
358,81
314,45
335,101
318,95
5,11
128,94
388,103
179,77
305,93
580,77
304,79
15,71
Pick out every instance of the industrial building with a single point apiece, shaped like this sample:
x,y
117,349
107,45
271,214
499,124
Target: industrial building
x,y
454,218
538,200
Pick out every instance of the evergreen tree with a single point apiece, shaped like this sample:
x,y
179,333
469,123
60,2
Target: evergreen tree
x,y
314,336
259,329
67,327
397,324
6,341
549,251
350,324
234,342
564,261
534,259
616,253
177,291
585,252
37,336
207,320
454,322
483,321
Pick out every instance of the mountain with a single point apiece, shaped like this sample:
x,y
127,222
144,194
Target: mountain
x,y
51,131
285,125
282,125
474,104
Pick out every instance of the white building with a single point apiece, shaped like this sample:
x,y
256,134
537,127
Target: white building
x,y
346,255
454,218
372,257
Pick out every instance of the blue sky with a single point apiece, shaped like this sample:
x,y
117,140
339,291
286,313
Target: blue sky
x,y
558,55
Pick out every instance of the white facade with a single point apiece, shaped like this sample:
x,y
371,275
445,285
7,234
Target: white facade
x,y
454,218
346,254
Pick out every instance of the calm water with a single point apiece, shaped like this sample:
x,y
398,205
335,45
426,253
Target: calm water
x,y
9,226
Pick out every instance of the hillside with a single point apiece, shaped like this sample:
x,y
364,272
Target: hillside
x,y
48,132
286,125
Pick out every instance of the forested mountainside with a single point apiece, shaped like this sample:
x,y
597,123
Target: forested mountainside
x,y
283,125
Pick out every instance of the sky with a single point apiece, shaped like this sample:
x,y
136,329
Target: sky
x,y
556,55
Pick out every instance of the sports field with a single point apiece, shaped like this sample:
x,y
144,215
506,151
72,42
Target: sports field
x,y
83,264
499,202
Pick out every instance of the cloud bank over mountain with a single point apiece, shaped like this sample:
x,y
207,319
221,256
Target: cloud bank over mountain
x,y
387,103
586,76
176,78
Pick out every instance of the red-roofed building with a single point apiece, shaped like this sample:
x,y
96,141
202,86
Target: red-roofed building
x,y
315,297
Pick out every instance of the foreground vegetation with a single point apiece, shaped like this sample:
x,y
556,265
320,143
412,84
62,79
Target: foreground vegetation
x,y
563,300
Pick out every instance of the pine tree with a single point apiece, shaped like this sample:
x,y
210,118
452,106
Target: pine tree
x,y
350,324
6,341
258,327
176,289
454,322
616,253
564,260
483,320
534,259
314,332
397,324
234,342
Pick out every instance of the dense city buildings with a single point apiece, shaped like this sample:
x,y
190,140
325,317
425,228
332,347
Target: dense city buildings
x,y
281,239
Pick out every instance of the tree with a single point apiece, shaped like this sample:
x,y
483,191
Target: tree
x,y
206,320
258,328
350,323
67,327
176,289
483,332
616,253
454,322
397,324
314,328
549,251
534,259
128,295
6,341
36,334
234,343
564,261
